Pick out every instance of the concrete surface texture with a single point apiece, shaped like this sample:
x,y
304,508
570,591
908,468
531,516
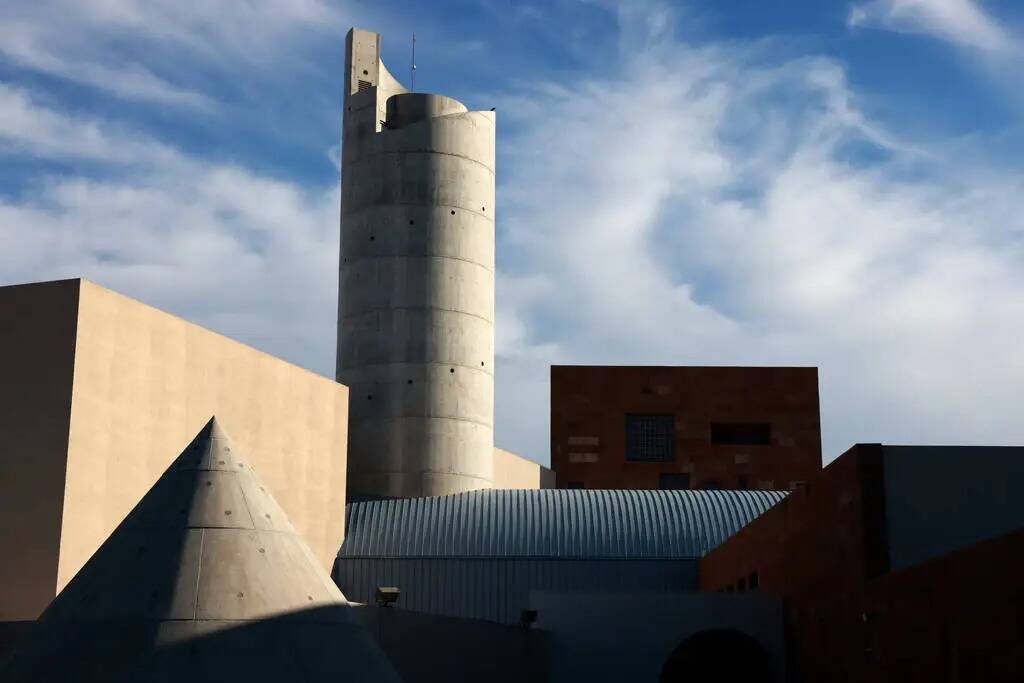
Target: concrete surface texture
x,y
416,290
206,579
513,471
103,391
37,362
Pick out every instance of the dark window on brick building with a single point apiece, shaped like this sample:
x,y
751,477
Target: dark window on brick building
x,y
575,485
710,485
650,437
754,581
673,482
741,483
741,433
741,586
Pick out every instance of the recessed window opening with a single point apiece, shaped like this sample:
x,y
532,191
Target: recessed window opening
x,y
650,438
741,433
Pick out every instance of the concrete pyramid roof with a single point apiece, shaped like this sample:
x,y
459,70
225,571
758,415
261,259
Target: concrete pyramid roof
x,y
205,579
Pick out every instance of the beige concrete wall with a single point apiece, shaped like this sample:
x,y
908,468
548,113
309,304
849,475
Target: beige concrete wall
x,y
145,382
514,472
37,355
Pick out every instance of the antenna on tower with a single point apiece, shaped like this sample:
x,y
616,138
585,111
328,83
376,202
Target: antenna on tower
x,y
412,71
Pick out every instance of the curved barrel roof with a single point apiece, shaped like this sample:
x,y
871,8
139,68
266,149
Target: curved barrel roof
x,y
557,523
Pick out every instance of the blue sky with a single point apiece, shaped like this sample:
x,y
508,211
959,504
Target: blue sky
x,y
776,182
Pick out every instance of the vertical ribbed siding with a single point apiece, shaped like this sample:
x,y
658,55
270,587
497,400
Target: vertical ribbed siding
x,y
553,523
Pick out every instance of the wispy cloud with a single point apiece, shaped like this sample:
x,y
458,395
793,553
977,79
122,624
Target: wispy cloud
x,y
125,47
749,213
710,203
963,22
249,255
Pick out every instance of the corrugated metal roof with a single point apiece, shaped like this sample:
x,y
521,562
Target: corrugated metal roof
x,y
562,523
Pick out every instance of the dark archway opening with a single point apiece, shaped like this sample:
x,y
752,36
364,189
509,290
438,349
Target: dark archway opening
x,y
718,655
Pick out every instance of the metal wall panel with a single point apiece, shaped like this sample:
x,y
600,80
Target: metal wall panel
x,y
498,589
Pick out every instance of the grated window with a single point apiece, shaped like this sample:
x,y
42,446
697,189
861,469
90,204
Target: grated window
x,y
650,437
364,85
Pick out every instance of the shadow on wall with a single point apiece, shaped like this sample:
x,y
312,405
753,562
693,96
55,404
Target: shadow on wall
x,y
204,580
308,645
425,648
718,655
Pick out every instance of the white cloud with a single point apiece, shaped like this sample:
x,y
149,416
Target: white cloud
x,y
248,255
962,22
692,206
152,49
696,207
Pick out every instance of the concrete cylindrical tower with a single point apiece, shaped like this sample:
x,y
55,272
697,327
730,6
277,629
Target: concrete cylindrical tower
x,y
416,299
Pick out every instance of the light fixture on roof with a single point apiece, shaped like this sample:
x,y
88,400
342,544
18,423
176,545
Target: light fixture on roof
x,y
387,596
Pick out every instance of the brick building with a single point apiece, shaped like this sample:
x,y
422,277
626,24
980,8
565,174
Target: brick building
x,y
636,427
893,565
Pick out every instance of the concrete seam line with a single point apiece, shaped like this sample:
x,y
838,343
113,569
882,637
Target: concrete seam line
x,y
355,259
417,151
379,309
349,211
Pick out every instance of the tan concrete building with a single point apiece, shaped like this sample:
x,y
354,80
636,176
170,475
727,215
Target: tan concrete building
x,y
99,394
512,471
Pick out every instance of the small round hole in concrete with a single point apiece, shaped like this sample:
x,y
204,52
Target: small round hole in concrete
x,y
220,462
365,72
410,381
227,512
263,550
241,595
267,516
209,483
310,598
412,222
369,397
372,238
452,371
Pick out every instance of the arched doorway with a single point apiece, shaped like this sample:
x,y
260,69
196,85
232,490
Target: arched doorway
x,y
718,655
